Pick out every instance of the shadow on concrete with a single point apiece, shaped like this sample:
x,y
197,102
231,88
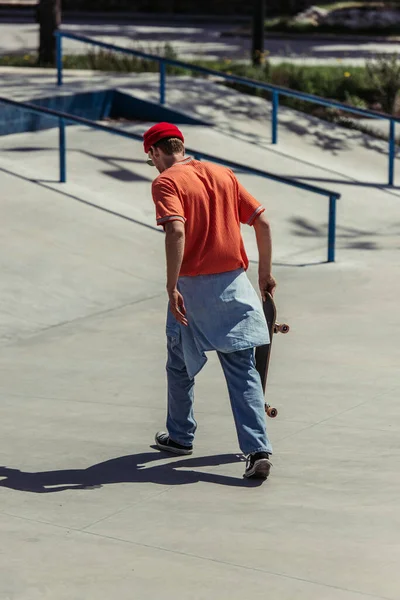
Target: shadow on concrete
x,y
309,264
29,149
42,183
379,186
221,104
107,159
329,136
126,469
285,264
110,159
324,136
266,144
334,137
124,175
116,172
306,229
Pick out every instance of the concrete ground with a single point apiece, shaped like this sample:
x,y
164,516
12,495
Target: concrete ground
x,y
88,508
194,40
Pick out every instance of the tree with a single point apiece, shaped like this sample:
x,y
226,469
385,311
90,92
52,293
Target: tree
x,y
258,31
49,18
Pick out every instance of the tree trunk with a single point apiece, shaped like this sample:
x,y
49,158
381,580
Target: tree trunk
x,y
258,31
49,18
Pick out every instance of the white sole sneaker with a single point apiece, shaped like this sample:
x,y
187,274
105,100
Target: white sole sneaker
x,y
260,469
181,450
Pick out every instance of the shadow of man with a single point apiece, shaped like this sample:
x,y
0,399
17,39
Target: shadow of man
x,y
125,469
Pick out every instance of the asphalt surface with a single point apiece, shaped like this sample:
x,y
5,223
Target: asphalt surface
x,y
195,40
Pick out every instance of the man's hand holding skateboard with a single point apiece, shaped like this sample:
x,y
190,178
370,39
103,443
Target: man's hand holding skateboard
x,y
267,284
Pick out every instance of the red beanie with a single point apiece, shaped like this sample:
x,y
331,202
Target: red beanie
x,y
159,132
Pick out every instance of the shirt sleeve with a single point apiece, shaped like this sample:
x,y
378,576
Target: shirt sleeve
x,y
167,202
249,207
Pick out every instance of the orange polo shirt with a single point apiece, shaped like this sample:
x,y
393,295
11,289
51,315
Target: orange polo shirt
x,y
212,203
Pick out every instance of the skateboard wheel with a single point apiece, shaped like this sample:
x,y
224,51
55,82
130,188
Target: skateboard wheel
x,y
284,328
271,411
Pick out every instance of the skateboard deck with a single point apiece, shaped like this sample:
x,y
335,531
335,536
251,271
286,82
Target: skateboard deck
x,y
263,353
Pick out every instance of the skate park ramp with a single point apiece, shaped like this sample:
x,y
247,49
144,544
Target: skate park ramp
x,y
88,508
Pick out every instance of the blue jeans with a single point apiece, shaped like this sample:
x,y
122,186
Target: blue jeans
x,y
245,392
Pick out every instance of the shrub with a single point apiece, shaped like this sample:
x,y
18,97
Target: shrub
x,y
117,62
384,75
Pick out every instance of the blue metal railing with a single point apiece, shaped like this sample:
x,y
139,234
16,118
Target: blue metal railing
x,y
275,90
64,118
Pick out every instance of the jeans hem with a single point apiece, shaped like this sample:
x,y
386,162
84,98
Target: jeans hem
x,y
266,449
178,441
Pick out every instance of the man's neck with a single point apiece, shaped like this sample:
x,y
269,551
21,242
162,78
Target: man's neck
x,y
170,161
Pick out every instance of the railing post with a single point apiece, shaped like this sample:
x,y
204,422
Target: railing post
x,y
332,228
59,58
162,81
62,151
392,151
275,108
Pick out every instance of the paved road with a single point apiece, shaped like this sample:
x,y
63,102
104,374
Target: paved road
x,y
194,41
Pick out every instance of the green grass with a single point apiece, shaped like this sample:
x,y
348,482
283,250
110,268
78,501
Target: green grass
x,y
339,82
27,60
102,60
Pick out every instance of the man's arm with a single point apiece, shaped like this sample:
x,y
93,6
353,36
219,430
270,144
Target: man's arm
x,y
266,281
174,249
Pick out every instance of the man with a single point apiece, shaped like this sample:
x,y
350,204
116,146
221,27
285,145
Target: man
x,y
212,305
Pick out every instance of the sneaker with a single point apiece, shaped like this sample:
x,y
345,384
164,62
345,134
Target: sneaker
x,y
164,442
258,465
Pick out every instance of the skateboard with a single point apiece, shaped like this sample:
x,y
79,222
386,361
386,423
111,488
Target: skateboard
x,y
263,352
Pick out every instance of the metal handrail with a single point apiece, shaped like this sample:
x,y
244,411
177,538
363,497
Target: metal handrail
x,y
275,90
64,118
